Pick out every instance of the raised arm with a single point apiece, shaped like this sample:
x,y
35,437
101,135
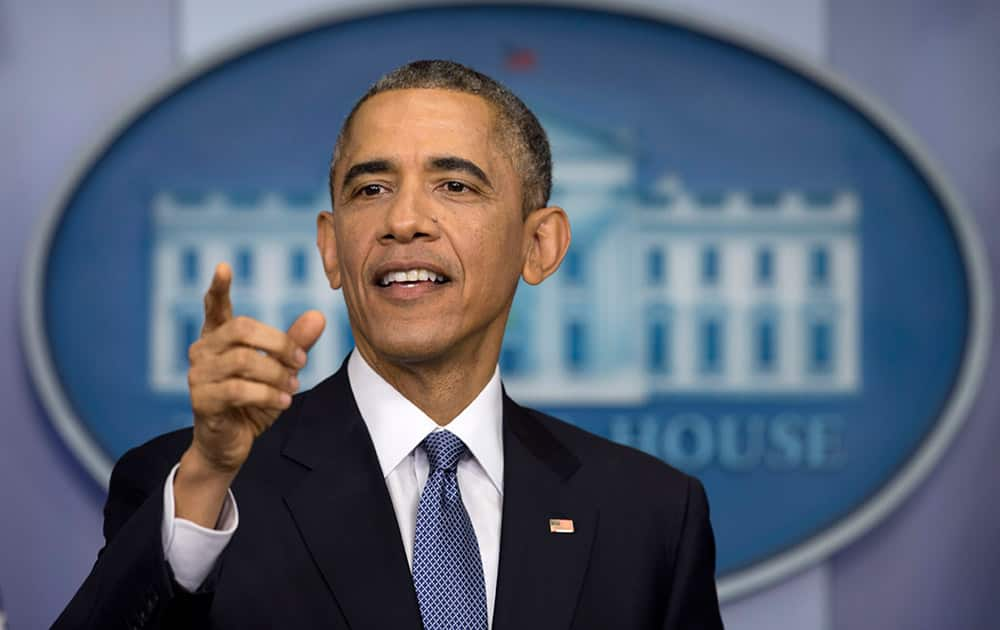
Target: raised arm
x,y
241,378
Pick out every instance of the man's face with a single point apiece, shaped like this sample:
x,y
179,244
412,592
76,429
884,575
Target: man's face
x,y
427,226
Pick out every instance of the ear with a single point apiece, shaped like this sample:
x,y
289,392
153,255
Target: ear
x,y
326,242
546,236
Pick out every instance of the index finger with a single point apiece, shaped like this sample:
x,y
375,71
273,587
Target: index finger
x,y
218,308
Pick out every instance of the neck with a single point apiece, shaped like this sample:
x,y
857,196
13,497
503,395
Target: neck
x,y
440,387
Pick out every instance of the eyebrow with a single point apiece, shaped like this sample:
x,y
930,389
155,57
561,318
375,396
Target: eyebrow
x,y
443,163
366,168
454,163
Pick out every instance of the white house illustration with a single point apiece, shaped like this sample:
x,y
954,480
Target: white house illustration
x,y
664,291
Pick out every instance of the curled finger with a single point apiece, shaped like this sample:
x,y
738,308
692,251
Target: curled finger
x,y
237,393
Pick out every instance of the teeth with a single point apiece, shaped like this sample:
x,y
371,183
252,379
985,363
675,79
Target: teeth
x,y
411,275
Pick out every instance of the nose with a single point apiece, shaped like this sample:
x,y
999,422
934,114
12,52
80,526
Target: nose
x,y
409,217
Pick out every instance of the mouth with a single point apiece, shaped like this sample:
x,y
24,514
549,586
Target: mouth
x,y
411,278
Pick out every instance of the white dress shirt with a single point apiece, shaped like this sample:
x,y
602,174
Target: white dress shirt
x,y
397,427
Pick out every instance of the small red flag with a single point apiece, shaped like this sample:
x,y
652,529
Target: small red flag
x,y
521,59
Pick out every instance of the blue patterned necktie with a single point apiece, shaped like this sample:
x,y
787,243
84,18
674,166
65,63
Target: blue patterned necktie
x,y
447,569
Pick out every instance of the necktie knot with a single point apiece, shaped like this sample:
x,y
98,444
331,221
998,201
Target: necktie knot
x,y
443,449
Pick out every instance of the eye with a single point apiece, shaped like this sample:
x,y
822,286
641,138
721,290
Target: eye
x,y
456,187
371,190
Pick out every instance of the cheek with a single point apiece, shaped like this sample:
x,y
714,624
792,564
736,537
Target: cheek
x,y
513,245
494,254
350,253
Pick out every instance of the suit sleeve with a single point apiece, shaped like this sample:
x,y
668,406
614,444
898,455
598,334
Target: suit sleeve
x,y
693,602
131,584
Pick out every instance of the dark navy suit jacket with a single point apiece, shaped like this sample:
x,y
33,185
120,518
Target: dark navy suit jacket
x,y
318,544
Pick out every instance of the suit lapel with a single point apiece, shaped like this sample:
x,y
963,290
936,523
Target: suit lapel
x,y
541,572
344,514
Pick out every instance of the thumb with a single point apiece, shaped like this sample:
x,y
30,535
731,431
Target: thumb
x,y
307,328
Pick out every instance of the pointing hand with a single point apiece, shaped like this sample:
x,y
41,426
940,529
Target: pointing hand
x,y
242,376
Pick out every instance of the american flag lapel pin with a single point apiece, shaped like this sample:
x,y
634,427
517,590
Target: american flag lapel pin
x,y
560,526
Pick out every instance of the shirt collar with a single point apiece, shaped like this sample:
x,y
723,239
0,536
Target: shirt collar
x,y
397,426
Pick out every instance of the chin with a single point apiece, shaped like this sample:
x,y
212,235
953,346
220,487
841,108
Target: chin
x,y
415,347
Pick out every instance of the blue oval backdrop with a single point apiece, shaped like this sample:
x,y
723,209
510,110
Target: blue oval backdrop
x,y
764,288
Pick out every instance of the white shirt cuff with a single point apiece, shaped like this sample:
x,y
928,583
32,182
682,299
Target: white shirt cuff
x,y
191,549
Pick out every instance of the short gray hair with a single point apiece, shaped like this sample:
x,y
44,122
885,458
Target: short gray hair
x,y
517,124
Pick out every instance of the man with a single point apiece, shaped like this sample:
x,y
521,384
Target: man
x,y
407,490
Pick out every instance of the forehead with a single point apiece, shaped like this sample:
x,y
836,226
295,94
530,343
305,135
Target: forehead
x,y
414,123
